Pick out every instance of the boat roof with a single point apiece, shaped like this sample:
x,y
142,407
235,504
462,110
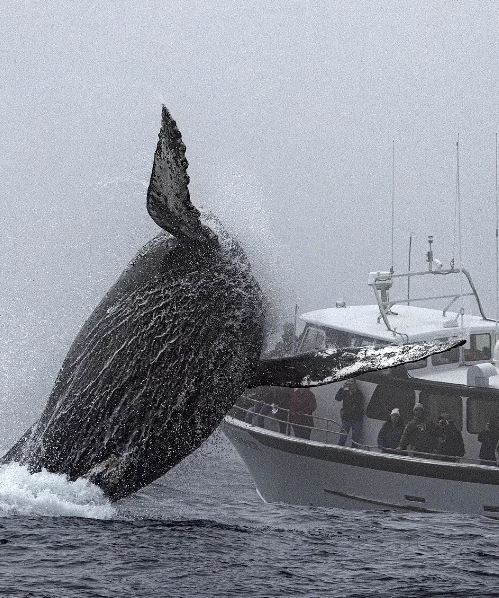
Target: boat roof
x,y
417,323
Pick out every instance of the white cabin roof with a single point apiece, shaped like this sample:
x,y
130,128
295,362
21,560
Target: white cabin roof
x,y
417,323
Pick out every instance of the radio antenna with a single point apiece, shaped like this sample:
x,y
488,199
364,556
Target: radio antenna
x,y
497,251
393,202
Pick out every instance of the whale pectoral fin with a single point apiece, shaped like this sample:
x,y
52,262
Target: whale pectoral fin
x,y
168,200
331,365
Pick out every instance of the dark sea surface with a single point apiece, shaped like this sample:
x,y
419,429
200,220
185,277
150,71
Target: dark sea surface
x,y
202,531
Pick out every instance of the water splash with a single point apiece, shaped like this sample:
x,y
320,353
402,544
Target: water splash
x,y
245,210
49,494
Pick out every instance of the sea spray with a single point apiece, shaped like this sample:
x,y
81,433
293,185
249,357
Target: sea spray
x,y
49,494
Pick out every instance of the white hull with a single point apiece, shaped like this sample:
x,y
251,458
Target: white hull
x,y
296,471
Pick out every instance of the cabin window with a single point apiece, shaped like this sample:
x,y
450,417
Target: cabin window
x,y
478,347
339,339
417,365
447,357
479,412
314,339
386,397
436,404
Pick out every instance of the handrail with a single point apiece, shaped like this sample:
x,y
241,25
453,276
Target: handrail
x,y
360,446
384,308
288,411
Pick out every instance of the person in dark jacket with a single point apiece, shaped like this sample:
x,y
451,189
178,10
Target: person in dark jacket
x,y
420,435
451,439
275,403
489,439
352,412
391,432
301,406
281,405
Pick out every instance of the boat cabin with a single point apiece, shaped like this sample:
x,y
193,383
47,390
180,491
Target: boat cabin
x,y
462,382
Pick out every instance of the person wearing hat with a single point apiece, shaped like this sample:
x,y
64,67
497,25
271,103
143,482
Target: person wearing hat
x,y
391,432
419,435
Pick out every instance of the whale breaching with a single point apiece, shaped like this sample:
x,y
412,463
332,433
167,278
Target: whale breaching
x,y
169,350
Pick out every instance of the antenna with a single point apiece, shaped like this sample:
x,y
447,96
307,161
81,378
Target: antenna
x,y
295,337
409,271
497,251
393,202
458,196
459,234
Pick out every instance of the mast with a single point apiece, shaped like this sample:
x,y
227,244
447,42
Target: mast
x,y
295,336
497,253
409,271
459,228
393,203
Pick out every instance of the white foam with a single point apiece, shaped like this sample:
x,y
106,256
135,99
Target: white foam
x,y
49,494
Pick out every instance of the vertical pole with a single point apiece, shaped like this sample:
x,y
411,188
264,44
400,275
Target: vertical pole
x,y
497,254
460,241
295,338
459,228
409,272
393,203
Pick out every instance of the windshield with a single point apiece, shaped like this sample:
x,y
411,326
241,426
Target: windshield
x,y
320,337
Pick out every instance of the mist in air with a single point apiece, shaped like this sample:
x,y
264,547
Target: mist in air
x,y
288,113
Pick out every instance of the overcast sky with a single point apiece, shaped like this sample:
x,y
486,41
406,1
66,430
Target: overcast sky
x,y
288,111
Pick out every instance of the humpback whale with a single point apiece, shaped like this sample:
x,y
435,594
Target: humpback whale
x,y
169,349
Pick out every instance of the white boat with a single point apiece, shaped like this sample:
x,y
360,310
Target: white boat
x,y
462,382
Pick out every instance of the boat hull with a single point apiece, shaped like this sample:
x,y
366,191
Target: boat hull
x,y
296,471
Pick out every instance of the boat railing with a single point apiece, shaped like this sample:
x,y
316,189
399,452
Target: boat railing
x,y
282,420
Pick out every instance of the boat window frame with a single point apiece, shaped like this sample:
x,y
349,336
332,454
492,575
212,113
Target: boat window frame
x,y
470,402
467,348
309,328
351,340
428,399
417,365
437,356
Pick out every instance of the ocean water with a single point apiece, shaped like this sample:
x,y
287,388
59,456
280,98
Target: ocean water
x,y
202,531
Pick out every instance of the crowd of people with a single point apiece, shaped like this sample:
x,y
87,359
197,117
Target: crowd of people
x,y
422,435
293,411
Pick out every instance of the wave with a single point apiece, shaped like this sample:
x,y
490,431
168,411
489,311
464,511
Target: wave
x,y
49,494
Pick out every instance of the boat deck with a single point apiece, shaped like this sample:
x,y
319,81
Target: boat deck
x,y
326,432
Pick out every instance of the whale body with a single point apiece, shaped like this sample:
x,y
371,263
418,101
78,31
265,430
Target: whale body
x,y
169,349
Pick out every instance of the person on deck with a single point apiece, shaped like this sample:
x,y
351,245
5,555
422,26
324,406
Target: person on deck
x,y
281,405
352,412
489,439
301,406
451,439
419,435
274,404
391,432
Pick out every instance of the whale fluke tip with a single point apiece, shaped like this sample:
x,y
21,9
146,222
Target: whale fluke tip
x,y
168,199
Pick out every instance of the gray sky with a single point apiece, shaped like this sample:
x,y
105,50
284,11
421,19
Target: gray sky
x,y
288,112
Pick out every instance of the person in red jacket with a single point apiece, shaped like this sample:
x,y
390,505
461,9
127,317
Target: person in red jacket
x,y
301,405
